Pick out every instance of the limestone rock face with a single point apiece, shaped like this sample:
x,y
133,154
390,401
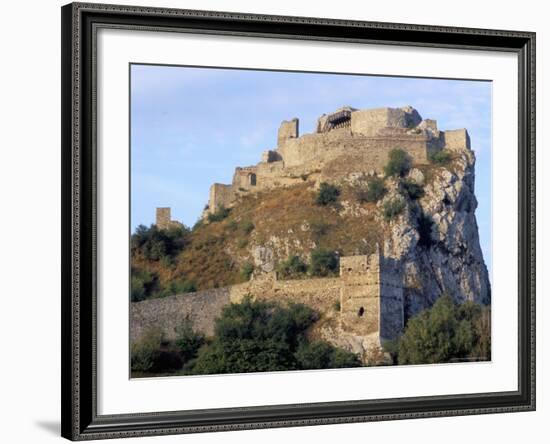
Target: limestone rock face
x,y
436,240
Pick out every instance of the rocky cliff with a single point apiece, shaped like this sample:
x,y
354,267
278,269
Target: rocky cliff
x,y
422,221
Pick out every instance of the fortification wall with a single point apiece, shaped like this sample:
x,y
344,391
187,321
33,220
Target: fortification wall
x,y
201,308
347,141
369,291
456,139
320,294
318,151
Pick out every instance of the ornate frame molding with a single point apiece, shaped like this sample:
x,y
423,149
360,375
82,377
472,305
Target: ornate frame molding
x,y
80,21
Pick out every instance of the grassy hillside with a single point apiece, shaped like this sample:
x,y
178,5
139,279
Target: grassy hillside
x,y
291,221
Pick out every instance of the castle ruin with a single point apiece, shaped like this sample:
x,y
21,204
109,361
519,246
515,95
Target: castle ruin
x,y
368,291
164,219
346,141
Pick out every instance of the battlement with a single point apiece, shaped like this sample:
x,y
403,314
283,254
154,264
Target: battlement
x,y
346,142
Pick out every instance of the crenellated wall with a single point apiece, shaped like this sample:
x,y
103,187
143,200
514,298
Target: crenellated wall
x,y
348,141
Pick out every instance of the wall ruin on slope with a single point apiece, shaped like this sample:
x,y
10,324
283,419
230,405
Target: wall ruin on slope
x,y
368,290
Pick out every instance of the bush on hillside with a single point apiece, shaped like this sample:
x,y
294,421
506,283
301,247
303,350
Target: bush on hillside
x,y
412,189
292,268
323,262
399,163
374,191
393,208
220,214
440,157
247,270
327,194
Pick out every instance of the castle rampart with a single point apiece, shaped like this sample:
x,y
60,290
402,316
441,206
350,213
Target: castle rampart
x,y
345,142
369,291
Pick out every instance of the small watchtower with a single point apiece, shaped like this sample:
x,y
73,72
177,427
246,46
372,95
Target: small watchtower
x,y
164,219
371,296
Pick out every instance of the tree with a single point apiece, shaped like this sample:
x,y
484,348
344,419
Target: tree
x,y
155,244
188,341
255,336
399,163
146,352
445,333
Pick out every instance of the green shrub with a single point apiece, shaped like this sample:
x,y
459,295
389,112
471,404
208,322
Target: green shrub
x,y
247,270
374,191
143,285
292,268
315,355
412,189
255,336
146,352
446,332
137,290
247,227
327,194
156,244
179,286
242,243
399,163
393,208
336,306
323,262
440,157
219,215
188,341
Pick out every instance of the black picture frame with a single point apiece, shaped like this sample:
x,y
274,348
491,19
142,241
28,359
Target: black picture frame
x,y
80,420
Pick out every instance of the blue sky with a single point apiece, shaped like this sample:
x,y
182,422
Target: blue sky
x,y
191,127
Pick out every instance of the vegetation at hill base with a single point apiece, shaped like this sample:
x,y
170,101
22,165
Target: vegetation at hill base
x,y
251,336
446,332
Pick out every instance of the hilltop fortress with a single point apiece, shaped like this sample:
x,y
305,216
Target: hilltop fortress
x,y
430,248
345,142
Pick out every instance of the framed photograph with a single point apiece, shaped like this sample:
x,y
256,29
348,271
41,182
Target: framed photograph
x,y
280,221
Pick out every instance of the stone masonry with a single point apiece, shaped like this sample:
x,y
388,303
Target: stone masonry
x,y
346,141
369,290
164,219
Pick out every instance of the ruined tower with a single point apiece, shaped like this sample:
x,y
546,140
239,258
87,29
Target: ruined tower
x,y
164,219
371,297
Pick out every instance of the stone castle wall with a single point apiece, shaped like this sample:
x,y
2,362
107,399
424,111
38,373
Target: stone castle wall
x,y
369,291
347,141
201,308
